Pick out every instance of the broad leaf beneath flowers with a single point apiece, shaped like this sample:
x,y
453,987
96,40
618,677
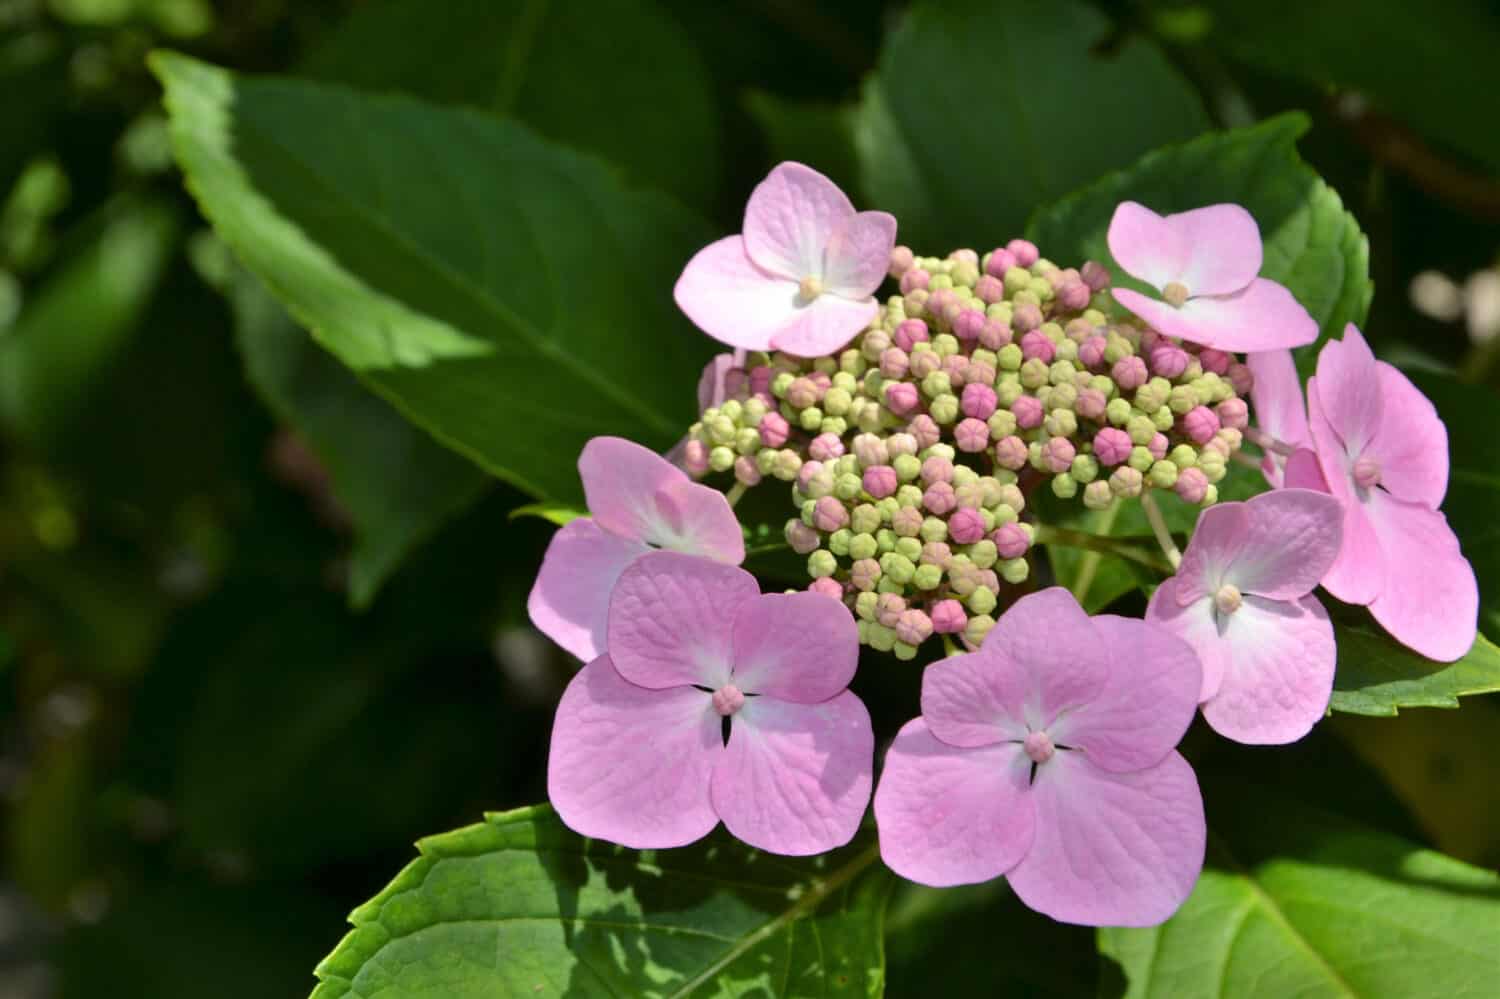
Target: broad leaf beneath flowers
x,y
518,905
1378,676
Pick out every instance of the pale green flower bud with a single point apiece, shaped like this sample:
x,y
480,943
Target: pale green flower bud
x,y
1007,390
1182,399
945,344
721,459
979,626
1141,459
888,508
909,496
927,577
1002,423
781,382
864,606
1183,456
862,546
1117,412
897,568
1210,497
1126,482
1213,465
939,281
963,475
848,486
885,540
1097,495
1152,396
1163,475
1163,419
940,450
836,401
1062,397
1015,570
1064,486
1061,373
1011,496
944,409
1009,358
746,440
983,553
881,638
982,600
1017,279
1085,468
1034,373
910,547
1067,351
1141,429
753,412
838,542
907,467
1061,423
821,564
934,529
937,383
865,519
902,651
811,419
721,429
1004,513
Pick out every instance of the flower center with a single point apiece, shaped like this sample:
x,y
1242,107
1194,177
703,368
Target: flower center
x,y
1175,293
1038,746
810,288
1367,473
1228,599
728,700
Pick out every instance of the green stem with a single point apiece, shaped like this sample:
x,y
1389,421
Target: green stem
x,y
1159,528
1045,534
735,492
950,646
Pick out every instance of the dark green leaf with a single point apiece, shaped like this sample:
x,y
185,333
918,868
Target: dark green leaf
x,y
511,297
556,513
818,134
979,112
518,905
1312,245
1378,676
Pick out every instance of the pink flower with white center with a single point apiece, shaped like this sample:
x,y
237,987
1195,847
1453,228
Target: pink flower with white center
x,y
1048,756
1242,598
638,753
1204,264
640,501
1280,412
801,276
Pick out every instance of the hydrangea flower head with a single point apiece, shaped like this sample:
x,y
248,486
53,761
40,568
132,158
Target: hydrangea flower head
x,y
640,501
1242,598
1204,264
1048,756
801,276
638,756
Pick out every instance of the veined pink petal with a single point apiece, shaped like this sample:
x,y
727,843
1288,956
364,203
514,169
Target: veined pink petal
x,y
1359,573
1112,849
620,482
1264,316
1280,659
1147,703
1279,407
1349,392
697,520
859,254
1196,623
1146,245
671,620
1291,539
980,698
795,778
824,326
1430,602
1223,248
950,816
1302,471
790,219
1412,442
1217,540
631,765
569,603
731,299
1062,658
800,647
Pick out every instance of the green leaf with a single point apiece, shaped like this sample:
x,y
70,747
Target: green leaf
x,y
979,112
511,297
1299,903
812,132
1312,245
556,513
1378,676
620,79
518,905
396,483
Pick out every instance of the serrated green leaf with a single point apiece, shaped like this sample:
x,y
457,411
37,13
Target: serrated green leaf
x,y
1312,245
556,513
511,297
1300,903
979,112
518,906
1378,676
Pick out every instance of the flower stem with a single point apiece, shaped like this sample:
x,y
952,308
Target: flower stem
x,y
735,492
1159,528
950,646
1241,458
1067,538
1266,442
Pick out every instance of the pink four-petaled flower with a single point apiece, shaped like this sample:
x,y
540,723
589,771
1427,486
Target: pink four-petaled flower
x,y
801,276
1204,264
637,752
1048,756
639,501
1242,598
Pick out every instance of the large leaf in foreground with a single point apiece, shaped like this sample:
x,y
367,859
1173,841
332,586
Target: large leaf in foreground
x,y
979,112
510,296
519,906
1312,245
1299,903
1378,676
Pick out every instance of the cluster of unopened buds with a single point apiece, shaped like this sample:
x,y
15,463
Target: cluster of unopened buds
x,y
909,436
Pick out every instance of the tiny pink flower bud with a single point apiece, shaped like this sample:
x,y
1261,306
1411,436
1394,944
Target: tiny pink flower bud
x,y
909,333
978,400
1217,361
774,430
1026,318
1111,446
971,435
913,627
989,580
1233,413
1001,260
925,429
889,608
893,363
1078,330
900,397
1367,472
924,363
1242,378
1168,360
880,481
1200,424
937,469
965,256
948,617
939,498
864,574
1010,541
940,301
1158,446
746,471
695,458
736,383
980,371
803,539
1074,295
826,447
937,553
1010,452
914,279
990,289
955,365
871,450
828,587
907,522
1059,453
969,494
901,260
1192,485
1024,251
899,444
830,514
1090,404
1091,351
995,334
728,699
806,473
1027,410
1095,275
823,381
966,526
1035,344
1130,373
803,392
968,324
